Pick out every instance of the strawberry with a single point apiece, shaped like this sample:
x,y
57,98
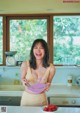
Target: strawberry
x,y
45,109
50,107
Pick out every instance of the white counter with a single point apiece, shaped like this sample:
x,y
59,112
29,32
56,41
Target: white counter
x,y
19,109
55,90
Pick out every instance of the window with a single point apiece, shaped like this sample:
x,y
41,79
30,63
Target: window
x,y
22,34
62,33
1,39
66,33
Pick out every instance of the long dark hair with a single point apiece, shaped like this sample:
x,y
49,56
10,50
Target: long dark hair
x,y
46,55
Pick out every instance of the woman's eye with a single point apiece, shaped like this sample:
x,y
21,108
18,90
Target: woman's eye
x,y
35,47
41,48
38,48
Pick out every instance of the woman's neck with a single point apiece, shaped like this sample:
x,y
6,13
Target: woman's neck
x,y
39,63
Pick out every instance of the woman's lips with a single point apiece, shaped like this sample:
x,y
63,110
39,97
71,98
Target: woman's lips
x,y
38,54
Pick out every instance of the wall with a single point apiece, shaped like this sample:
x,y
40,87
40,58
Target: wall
x,y
11,75
62,73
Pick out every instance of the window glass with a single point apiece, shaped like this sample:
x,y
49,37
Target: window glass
x,y
23,33
1,40
66,39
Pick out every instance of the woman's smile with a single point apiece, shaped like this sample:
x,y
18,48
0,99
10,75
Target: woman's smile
x,y
38,54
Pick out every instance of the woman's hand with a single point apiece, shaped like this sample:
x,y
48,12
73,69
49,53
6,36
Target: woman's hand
x,y
47,87
25,82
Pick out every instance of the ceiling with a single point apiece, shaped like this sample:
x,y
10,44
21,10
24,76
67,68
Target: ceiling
x,y
38,6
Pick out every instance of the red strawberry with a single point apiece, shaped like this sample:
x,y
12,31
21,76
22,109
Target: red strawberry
x,y
45,109
52,107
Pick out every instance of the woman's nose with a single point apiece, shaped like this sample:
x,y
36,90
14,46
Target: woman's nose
x,y
38,49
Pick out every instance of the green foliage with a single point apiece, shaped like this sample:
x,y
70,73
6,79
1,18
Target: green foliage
x,y
66,32
23,33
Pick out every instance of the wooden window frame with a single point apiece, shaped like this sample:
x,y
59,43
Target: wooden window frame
x,y
50,38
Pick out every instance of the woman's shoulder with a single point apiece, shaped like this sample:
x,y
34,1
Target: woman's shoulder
x,y
52,67
25,64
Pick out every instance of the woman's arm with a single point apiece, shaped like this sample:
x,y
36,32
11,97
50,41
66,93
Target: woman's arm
x,y
23,72
52,73
50,77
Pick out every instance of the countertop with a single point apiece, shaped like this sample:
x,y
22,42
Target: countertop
x,y
19,109
55,90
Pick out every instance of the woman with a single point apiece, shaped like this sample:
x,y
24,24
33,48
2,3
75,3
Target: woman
x,y
37,70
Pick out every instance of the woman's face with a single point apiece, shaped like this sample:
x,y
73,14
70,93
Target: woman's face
x,y
38,51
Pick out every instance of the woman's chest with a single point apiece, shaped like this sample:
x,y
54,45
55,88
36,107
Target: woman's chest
x,y
39,74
